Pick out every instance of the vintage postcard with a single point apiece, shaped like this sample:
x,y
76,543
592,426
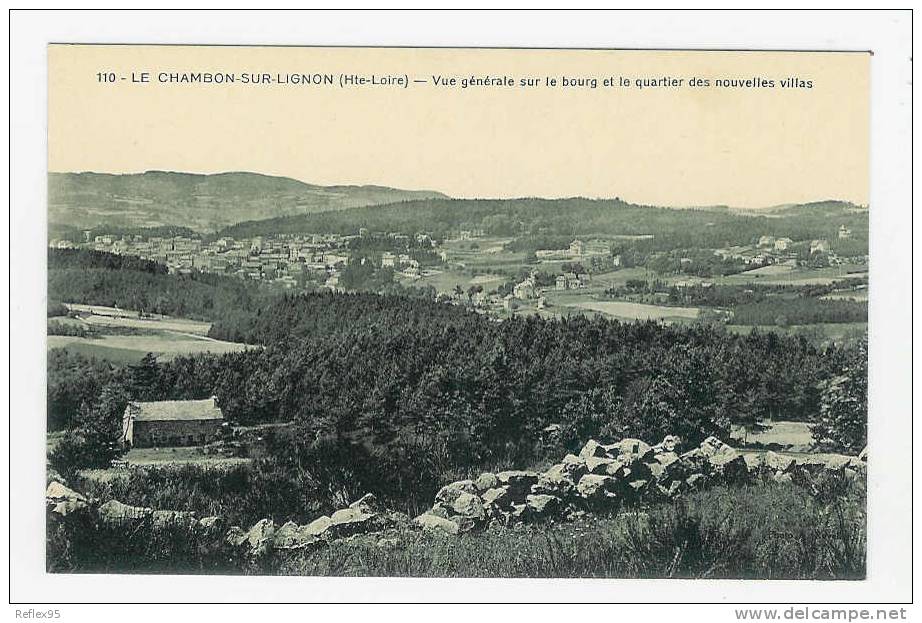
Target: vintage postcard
x,y
503,313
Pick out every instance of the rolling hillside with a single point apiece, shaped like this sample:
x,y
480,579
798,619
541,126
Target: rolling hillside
x,y
673,228
201,202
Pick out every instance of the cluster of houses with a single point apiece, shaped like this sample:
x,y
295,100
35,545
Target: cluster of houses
x,y
287,261
780,250
581,249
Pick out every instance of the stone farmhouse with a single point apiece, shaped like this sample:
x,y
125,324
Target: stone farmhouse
x,y
171,423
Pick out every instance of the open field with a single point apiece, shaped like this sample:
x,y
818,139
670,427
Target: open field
x,y
794,276
783,433
99,316
130,348
178,455
835,331
639,311
164,336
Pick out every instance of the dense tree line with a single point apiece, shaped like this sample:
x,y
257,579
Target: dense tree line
x,y
423,389
754,305
780,311
97,278
383,370
561,218
69,259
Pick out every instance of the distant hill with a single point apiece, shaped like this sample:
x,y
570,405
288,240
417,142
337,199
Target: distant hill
x,y
828,207
201,202
576,217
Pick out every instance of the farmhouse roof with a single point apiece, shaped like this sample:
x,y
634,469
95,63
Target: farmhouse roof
x,y
167,410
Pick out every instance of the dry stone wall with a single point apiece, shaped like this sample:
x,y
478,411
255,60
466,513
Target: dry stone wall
x,y
602,478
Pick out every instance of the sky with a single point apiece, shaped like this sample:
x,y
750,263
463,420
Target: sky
x,y
748,146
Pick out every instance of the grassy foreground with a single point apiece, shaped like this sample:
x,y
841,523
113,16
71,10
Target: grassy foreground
x,y
765,531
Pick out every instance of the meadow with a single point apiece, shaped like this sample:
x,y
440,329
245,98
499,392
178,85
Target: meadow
x,y
123,336
758,531
640,311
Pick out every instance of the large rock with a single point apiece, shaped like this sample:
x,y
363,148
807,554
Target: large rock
x,y
575,465
438,524
450,492
319,526
517,480
630,450
349,521
173,519
469,505
730,465
597,489
115,512
593,449
485,482
555,481
715,457
670,443
260,535
666,458
777,462
63,501
211,524
497,497
637,470
235,537
542,506
604,466
292,536
368,504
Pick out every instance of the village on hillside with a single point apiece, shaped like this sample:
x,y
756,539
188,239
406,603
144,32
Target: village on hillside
x,y
468,267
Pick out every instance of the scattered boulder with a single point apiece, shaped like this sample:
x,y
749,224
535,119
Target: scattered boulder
x,y
52,475
541,505
63,501
114,512
292,536
630,450
169,519
670,444
450,492
777,462
210,524
438,524
555,481
575,466
259,536
517,480
593,449
318,526
497,497
671,490
348,521
783,478
235,537
485,482
469,505
368,504
597,490
606,466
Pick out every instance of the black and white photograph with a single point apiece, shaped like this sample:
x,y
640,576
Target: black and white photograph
x,y
456,312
